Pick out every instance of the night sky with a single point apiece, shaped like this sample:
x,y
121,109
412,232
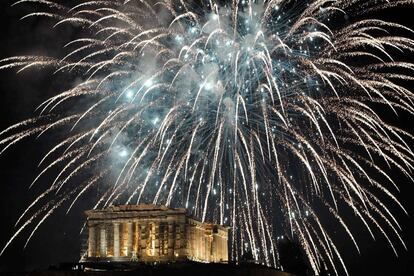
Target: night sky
x,y
58,239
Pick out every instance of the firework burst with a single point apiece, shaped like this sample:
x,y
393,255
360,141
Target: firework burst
x,y
254,114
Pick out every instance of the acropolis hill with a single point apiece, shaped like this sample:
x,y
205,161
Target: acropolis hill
x,y
150,240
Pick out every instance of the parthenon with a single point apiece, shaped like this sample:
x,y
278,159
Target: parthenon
x,y
150,233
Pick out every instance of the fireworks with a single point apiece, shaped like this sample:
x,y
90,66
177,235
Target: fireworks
x,y
255,114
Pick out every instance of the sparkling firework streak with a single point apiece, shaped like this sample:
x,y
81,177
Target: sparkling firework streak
x,y
255,114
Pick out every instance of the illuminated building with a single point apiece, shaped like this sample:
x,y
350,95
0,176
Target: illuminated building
x,y
149,233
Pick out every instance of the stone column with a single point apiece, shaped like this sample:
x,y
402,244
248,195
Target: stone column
x,y
179,240
189,241
143,239
103,242
198,238
226,247
129,238
221,248
170,239
156,239
136,235
116,240
202,238
164,239
214,248
92,242
204,243
208,247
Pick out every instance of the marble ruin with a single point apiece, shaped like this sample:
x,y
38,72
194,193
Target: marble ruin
x,y
149,233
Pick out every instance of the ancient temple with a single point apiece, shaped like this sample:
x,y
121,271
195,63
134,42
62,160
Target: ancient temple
x,y
149,233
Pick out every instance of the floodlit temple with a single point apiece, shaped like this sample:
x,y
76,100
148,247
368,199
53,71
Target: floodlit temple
x,y
149,233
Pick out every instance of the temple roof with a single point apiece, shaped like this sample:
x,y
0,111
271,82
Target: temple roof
x,y
124,211
142,207
121,212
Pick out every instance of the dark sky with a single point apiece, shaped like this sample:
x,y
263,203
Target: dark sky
x,y
58,239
